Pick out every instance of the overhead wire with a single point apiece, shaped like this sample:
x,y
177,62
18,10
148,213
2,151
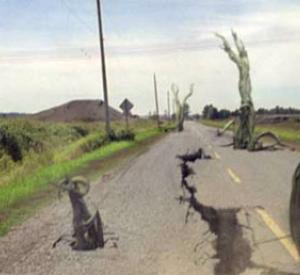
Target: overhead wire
x,y
85,52
76,16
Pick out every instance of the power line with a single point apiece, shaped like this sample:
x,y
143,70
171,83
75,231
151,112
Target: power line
x,y
201,45
156,100
83,23
77,16
90,51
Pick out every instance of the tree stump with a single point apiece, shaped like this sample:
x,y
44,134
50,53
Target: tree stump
x,y
88,229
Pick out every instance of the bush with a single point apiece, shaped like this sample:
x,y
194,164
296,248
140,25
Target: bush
x,y
10,145
81,130
122,135
6,163
92,143
126,135
20,137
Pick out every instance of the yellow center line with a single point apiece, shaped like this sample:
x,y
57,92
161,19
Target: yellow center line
x,y
217,156
235,178
278,232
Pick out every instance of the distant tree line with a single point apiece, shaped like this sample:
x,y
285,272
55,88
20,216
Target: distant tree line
x,y
212,112
279,110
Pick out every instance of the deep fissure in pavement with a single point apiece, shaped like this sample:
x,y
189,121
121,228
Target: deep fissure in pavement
x,y
233,250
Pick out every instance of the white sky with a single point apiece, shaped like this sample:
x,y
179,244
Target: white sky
x,y
43,64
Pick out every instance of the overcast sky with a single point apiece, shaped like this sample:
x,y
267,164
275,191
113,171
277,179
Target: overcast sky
x,y
49,51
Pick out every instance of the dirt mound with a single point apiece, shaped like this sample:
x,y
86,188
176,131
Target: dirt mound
x,y
78,110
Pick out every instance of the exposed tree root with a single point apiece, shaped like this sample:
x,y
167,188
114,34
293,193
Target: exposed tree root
x,y
88,229
227,145
257,144
225,128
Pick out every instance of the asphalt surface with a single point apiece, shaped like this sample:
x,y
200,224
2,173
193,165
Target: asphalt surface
x,y
138,204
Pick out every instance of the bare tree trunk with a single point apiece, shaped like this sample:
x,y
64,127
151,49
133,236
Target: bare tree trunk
x,y
245,128
246,121
88,230
180,106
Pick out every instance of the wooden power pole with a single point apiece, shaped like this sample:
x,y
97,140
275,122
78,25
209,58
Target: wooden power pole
x,y
104,79
169,116
156,100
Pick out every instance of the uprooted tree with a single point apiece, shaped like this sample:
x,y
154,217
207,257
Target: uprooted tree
x,y
244,137
180,106
88,229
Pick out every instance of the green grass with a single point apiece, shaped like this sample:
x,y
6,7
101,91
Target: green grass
x,y
20,191
37,143
44,143
289,135
214,123
288,132
22,188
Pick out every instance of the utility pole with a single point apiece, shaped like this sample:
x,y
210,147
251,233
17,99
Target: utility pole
x,y
156,100
104,80
169,117
173,107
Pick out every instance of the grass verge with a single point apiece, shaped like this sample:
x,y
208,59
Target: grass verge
x,y
21,198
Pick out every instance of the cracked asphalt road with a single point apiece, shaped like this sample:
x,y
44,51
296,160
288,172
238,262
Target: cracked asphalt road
x,y
138,204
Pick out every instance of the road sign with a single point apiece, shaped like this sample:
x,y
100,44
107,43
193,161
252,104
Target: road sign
x,y
126,106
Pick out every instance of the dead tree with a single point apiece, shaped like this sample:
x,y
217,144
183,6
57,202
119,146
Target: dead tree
x,y
244,137
245,128
88,229
180,114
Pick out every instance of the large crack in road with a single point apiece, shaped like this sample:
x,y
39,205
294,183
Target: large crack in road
x,y
232,249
